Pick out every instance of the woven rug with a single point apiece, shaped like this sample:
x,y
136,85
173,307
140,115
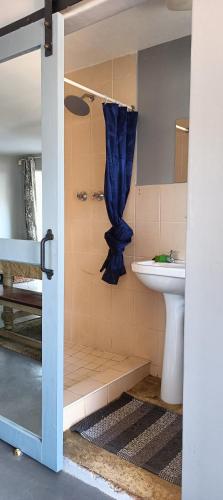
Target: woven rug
x,y
141,433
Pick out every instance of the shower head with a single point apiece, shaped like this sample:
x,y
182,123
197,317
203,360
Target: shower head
x,y
77,105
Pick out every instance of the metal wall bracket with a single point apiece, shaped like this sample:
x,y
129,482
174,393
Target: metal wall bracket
x,y
48,27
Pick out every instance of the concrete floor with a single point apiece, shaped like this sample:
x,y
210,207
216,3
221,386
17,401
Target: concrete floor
x,y
21,390
24,479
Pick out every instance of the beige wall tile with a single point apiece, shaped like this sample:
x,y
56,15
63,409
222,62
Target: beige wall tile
x,y
93,76
173,237
122,305
144,309
123,336
147,239
97,173
101,333
81,138
124,90
98,136
101,300
79,177
147,203
173,202
125,66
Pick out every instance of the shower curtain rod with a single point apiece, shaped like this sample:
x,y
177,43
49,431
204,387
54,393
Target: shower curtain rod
x,y
30,158
97,94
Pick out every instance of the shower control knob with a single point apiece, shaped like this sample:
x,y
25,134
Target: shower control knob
x,y
82,196
99,196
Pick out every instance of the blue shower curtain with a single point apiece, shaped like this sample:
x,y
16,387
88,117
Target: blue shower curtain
x,y
120,144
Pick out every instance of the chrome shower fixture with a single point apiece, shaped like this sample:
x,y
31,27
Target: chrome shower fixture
x,y
77,105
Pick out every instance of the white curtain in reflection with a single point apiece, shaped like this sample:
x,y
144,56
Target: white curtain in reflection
x,y
30,201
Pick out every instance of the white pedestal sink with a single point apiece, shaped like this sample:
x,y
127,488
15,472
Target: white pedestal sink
x,y
169,279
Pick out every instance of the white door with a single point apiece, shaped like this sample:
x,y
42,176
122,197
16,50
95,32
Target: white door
x,y
31,203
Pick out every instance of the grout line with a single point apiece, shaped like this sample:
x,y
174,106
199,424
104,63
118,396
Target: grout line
x,y
106,384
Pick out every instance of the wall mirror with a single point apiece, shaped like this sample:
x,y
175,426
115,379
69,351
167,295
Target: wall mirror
x,y
21,218
163,102
20,148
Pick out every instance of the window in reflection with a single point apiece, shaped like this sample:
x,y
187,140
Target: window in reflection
x,y
20,148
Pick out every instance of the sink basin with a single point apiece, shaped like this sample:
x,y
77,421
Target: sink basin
x,y
169,279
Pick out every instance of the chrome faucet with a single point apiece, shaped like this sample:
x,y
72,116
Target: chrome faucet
x,y
171,256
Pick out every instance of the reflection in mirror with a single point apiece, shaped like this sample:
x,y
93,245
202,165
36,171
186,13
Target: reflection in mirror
x,y
163,98
181,152
20,148
21,346
21,218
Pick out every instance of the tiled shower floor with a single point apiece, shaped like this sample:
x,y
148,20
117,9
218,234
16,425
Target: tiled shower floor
x,y
93,378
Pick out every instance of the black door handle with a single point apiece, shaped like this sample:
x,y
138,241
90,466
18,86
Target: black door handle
x,y
49,237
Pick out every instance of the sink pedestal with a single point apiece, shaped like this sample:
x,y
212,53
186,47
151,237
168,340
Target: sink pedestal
x,y
172,373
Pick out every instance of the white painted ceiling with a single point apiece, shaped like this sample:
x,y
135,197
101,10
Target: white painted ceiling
x,y
20,105
134,29
20,100
12,10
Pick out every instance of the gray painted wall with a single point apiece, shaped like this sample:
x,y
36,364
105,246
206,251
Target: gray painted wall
x,y
12,218
163,96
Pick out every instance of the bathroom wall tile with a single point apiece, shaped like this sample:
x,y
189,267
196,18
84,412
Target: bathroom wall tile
x,y
94,265
173,202
159,312
95,401
122,305
81,294
101,300
173,236
147,341
124,90
123,336
93,75
97,242
147,239
81,327
130,248
96,106
81,210
97,172
144,308
125,65
81,137
79,240
80,174
73,413
98,136
129,212
129,280
147,204
101,333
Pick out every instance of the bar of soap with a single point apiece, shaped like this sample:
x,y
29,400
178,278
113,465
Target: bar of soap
x,y
161,258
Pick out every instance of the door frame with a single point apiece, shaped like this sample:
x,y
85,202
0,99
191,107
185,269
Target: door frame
x,y
47,449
